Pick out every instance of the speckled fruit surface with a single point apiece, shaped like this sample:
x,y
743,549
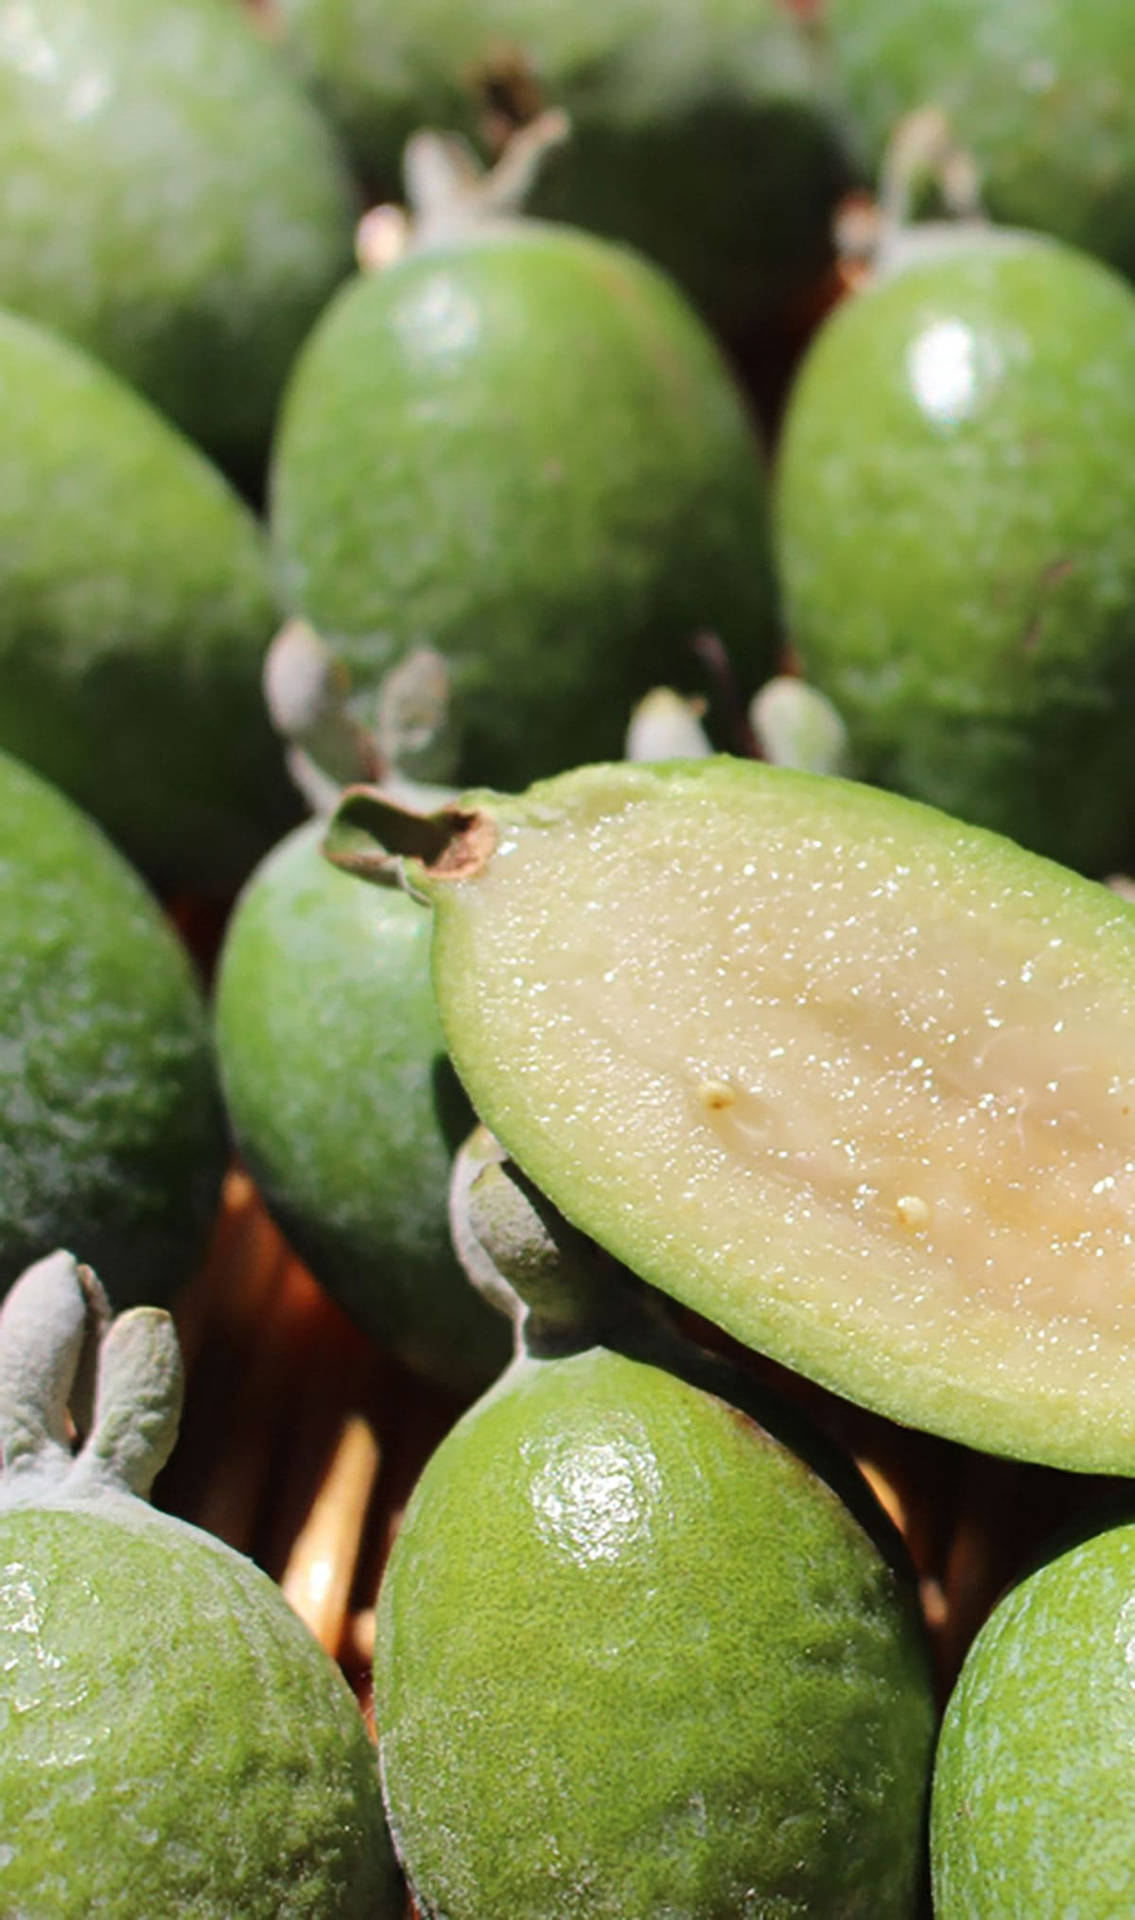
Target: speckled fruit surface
x,y
135,608
1033,1807
176,1744
661,1669
955,528
171,202
111,1137
701,132
1039,91
344,1105
524,450
852,1079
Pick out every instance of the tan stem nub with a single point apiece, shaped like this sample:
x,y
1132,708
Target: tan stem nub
x,y
138,1397
56,1337
448,190
524,1256
44,1323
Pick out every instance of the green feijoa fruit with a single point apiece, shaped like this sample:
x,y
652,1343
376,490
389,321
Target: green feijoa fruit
x,y
111,1131
955,529
172,202
344,1105
1040,94
851,1078
702,133
521,448
1033,1806
636,1655
135,609
176,1743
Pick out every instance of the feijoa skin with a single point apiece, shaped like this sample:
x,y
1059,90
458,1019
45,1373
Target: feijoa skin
x,y
661,1669
135,610
1040,95
847,1076
702,133
1033,1806
344,1105
955,532
176,1742
523,449
172,203
110,1124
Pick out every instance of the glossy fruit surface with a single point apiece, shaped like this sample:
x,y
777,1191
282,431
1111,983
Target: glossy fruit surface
x,y
135,608
1034,1794
523,450
111,1131
1039,91
955,528
848,1077
344,1105
190,243
176,1742
634,1657
702,132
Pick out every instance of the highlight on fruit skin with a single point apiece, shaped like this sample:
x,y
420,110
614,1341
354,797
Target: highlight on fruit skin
x,y
176,1741
852,1079
643,1644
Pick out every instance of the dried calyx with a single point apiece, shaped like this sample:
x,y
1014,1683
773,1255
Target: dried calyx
x,y
89,1405
874,238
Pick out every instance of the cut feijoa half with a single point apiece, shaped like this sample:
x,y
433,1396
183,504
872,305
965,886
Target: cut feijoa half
x,y
849,1077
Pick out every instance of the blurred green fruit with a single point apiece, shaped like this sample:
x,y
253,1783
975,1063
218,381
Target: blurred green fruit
x,y
111,1134
955,531
135,609
171,202
344,1105
1040,92
702,129
1033,1808
848,1077
521,448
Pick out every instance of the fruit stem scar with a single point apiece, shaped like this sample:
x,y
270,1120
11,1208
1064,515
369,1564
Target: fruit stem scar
x,y
369,835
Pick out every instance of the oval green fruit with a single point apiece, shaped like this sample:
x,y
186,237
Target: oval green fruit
x,y
634,1656
955,531
702,133
1033,1807
172,203
1041,96
851,1078
523,449
111,1133
344,1105
135,610
176,1743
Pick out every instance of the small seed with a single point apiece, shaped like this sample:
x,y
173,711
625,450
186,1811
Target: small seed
x,y
716,1095
912,1210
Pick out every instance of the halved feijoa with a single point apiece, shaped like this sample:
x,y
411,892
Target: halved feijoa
x,y
850,1077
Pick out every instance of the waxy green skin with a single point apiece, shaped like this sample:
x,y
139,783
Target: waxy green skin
x,y
135,609
1041,95
1033,1807
522,448
172,203
955,531
177,1745
112,1135
661,1669
702,134
344,1105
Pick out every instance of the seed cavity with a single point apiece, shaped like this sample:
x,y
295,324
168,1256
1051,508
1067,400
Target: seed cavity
x,y
912,1210
716,1096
